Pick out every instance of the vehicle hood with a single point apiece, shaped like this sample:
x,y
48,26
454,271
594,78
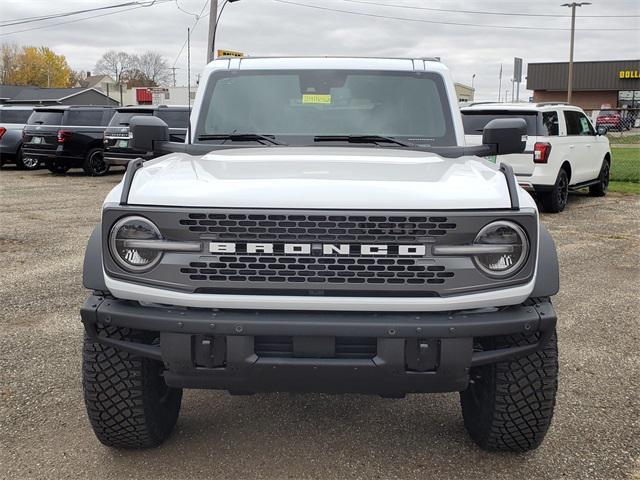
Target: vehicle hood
x,y
319,177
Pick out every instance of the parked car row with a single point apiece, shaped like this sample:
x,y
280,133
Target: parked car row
x,y
564,151
89,137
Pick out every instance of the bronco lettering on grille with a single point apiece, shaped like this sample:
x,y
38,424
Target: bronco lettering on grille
x,y
318,249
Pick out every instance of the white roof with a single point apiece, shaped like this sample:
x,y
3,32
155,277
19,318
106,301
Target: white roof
x,y
519,106
332,63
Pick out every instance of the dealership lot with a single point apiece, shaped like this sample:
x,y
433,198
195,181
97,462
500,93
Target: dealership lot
x,y
45,222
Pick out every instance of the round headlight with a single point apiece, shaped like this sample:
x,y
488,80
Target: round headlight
x,y
122,243
509,261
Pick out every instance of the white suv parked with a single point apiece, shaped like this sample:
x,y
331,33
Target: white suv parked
x,y
564,151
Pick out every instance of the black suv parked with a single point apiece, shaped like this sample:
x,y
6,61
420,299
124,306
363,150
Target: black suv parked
x,y
68,137
117,135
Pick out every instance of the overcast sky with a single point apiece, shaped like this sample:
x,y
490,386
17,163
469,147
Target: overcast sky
x,y
270,27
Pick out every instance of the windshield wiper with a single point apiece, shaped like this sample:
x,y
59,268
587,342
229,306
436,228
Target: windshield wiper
x,y
241,137
362,139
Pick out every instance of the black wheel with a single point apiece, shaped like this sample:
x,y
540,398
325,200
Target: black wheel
x,y
57,166
555,200
26,162
600,189
94,163
508,406
128,402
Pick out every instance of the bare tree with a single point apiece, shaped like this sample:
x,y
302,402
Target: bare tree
x,y
116,64
153,68
9,53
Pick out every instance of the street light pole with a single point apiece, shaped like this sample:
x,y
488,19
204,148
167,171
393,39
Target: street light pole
x,y
573,6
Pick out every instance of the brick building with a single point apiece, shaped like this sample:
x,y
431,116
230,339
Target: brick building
x,y
596,85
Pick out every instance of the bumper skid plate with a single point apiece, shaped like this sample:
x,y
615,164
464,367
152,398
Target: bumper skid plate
x,y
361,352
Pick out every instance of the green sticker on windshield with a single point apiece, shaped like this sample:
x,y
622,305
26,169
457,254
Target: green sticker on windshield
x,y
491,158
316,98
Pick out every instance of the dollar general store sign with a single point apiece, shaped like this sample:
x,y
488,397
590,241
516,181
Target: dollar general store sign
x,y
629,74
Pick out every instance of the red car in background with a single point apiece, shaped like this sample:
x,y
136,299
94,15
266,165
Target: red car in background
x,y
613,120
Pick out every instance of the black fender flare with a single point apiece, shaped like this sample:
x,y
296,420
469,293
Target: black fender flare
x,y
92,274
548,270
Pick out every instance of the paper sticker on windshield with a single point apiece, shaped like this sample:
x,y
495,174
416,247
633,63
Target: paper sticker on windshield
x,y
316,98
491,158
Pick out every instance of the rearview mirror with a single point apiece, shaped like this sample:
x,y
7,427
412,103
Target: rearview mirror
x,y
505,135
147,132
601,130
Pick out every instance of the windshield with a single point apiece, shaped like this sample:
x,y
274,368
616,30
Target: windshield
x,y
123,118
46,117
300,105
475,121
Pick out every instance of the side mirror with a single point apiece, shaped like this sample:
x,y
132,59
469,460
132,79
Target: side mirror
x,y
146,131
505,135
601,130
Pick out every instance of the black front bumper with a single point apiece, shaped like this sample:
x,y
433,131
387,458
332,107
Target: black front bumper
x,y
408,352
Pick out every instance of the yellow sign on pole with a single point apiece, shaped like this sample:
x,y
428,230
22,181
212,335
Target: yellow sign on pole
x,y
229,53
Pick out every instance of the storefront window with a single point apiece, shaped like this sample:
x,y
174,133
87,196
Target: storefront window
x,y
629,99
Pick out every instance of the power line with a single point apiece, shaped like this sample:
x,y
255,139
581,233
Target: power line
x,y
155,2
183,10
475,12
459,24
198,17
21,21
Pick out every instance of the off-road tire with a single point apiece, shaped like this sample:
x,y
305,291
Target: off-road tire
x,y
128,403
556,199
95,164
508,406
600,189
57,167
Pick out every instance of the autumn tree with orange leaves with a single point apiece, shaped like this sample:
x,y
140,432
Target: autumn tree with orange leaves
x,y
34,66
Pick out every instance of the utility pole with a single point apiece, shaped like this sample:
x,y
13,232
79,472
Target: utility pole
x,y
500,83
573,6
173,72
213,16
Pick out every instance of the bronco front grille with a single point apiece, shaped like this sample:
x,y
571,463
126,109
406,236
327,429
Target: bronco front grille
x,y
329,228
372,262
317,270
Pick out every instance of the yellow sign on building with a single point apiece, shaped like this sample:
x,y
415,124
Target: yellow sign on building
x,y
629,74
229,53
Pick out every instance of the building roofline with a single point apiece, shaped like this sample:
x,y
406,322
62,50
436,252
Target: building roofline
x,y
78,93
584,61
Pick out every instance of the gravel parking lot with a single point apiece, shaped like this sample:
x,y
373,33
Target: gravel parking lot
x,y
45,221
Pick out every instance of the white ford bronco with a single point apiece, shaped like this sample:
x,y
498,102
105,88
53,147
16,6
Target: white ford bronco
x,y
323,228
